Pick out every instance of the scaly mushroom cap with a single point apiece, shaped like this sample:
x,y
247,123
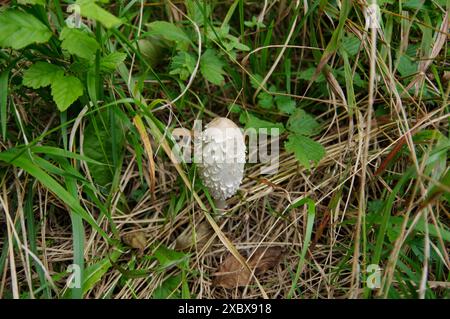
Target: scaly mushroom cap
x,y
223,157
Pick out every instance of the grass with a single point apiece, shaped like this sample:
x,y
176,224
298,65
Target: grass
x,y
90,190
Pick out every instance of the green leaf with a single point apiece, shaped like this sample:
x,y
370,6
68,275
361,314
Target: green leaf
x,y
304,149
168,257
98,145
303,123
182,64
252,121
95,272
19,29
4,86
265,100
255,80
40,2
41,74
89,9
169,288
285,104
111,61
211,67
406,67
309,73
78,42
27,163
50,150
168,31
195,10
66,90
351,44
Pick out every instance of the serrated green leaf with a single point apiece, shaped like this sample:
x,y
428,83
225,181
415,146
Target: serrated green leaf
x,y
405,66
255,80
19,29
66,90
304,149
308,74
197,10
351,44
168,31
265,100
252,121
89,9
285,104
111,61
78,42
303,123
211,67
182,64
41,74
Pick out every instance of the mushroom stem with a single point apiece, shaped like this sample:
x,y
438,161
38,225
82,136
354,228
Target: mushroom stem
x,y
220,205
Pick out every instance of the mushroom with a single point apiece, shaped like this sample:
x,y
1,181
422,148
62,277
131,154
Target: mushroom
x,y
221,165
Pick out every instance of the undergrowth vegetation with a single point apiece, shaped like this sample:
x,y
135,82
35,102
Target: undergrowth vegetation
x,y
93,205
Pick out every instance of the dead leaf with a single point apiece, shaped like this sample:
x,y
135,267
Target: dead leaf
x,y
136,240
187,240
232,274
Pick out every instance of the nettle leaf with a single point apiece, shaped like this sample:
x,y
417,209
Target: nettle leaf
x,y
303,123
66,90
78,42
255,80
351,44
169,31
90,10
285,104
196,10
405,66
182,64
308,74
305,149
265,100
41,74
111,61
252,121
19,29
211,67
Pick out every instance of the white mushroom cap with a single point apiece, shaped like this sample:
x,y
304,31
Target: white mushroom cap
x,y
223,158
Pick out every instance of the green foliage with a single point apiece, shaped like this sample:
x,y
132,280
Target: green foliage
x,y
19,29
252,121
78,43
89,9
303,123
111,61
170,32
169,289
98,145
305,149
66,89
182,64
211,67
40,2
41,74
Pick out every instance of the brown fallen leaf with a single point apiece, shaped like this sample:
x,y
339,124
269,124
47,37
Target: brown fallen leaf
x,y
232,274
187,240
135,239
